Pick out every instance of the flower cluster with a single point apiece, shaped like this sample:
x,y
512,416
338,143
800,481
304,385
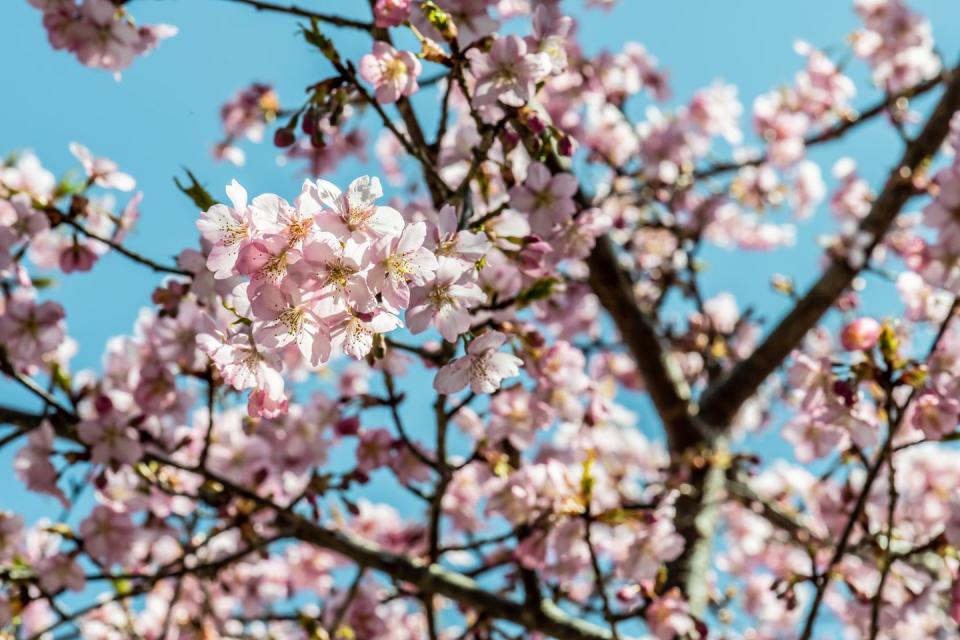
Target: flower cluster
x,y
246,115
896,42
99,33
69,238
332,273
346,415
820,94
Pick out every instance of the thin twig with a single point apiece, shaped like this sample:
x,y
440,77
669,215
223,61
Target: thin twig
x,y
294,10
119,248
831,133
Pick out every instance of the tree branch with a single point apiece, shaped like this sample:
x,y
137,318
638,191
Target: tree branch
x,y
661,374
722,401
546,618
119,248
294,10
831,133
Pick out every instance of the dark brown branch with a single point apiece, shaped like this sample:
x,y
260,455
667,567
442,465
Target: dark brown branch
x,y
831,133
22,419
119,248
689,438
546,617
722,401
661,374
427,578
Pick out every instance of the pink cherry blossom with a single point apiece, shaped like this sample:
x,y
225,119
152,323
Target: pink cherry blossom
x,y
392,73
483,367
550,32
20,219
59,572
266,261
354,331
399,262
507,72
860,335
245,115
102,171
452,242
896,42
373,450
934,414
668,617
391,13
355,211
30,331
112,440
99,33
33,465
717,110
241,363
289,318
445,302
548,199
228,229
336,269
812,437
107,534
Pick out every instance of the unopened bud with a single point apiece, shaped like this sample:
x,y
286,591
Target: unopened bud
x,y
566,146
861,334
284,138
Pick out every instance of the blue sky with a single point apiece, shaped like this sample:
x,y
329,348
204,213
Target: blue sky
x,y
163,115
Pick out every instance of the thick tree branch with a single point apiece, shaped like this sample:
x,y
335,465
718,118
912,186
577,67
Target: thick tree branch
x,y
428,578
689,439
546,618
722,401
661,374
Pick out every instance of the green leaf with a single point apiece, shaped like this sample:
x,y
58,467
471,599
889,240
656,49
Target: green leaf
x,y
69,185
196,192
122,586
439,20
321,42
539,290
61,378
42,282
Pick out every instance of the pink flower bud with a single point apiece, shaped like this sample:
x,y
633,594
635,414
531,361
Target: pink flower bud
x,y
309,123
347,426
566,146
860,335
103,404
284,138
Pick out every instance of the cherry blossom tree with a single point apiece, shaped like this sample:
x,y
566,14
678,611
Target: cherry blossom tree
x,y
537,269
